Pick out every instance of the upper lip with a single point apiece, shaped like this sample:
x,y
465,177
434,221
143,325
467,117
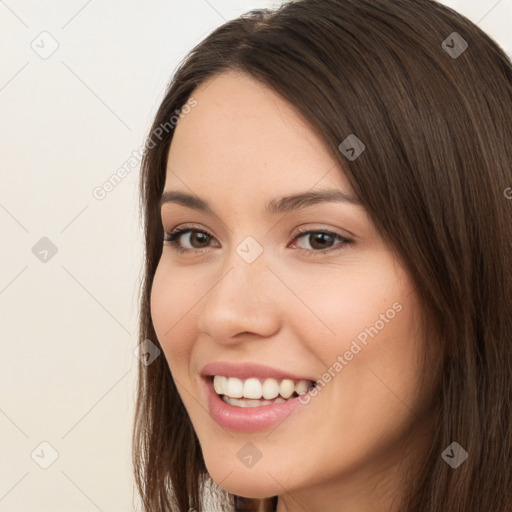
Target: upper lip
x,y
246,370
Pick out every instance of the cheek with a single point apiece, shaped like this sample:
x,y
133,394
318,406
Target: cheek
x,y
352,305
172,301
366,333
368,391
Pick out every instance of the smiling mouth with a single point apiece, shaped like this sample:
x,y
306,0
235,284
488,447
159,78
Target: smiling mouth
x,y
256,392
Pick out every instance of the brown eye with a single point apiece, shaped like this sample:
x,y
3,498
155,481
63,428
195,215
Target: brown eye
x,y
197,239
321,242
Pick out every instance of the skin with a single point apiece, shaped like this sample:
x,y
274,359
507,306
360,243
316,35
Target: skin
x,y
350,447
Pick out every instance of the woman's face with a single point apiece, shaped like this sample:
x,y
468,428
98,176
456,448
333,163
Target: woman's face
x,y
310,306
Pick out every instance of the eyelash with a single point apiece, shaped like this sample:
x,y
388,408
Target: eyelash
x,y
171,239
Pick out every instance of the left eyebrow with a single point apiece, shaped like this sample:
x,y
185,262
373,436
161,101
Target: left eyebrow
x,y
310,198
282,205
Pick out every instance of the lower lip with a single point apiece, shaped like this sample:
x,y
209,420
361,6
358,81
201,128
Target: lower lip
x,y
248,419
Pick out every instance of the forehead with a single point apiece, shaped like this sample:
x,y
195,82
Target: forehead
x,y
242,130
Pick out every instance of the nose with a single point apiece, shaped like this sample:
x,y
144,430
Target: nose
x,y
244,299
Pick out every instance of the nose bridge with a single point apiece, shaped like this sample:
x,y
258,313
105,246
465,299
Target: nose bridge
x,y
244,269
240,300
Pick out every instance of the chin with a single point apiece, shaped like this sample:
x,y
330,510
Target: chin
x,y
248,483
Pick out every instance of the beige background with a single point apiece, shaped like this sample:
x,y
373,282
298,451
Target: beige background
x,y
69,120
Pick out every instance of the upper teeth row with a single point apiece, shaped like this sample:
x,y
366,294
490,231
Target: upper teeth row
x,y
254,388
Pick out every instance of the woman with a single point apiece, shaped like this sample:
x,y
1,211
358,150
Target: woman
x,y
328,272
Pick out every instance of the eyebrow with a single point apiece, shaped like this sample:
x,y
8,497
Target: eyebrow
x,y
275,206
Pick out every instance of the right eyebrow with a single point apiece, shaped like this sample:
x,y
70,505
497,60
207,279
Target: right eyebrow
x,y
188,200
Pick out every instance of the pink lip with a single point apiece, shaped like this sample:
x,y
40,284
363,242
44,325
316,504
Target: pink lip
x,y
248,419
247,370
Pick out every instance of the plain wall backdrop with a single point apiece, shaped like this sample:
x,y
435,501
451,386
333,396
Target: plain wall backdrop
x,y
80,82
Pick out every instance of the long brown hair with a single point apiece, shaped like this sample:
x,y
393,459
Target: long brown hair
x,y
430,96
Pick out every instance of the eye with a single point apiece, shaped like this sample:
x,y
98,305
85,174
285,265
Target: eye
x,y
320,241
198,236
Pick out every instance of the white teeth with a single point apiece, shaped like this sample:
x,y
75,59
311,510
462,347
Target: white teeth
x,y
270,389
301,387
219,383
254,388
286,388
234,388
